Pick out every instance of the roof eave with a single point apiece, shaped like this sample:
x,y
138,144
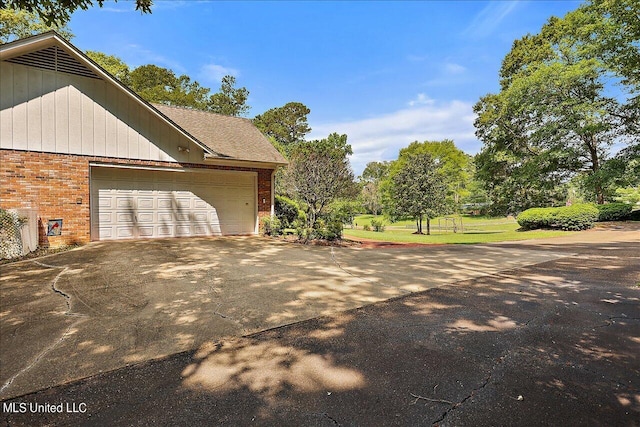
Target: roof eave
x,y
243,163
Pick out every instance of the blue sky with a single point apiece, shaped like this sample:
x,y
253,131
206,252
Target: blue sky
x,y
384,73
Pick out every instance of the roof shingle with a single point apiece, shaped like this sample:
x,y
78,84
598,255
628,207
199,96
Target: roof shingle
x,y
233,138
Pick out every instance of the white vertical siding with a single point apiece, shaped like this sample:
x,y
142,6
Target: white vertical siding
x,y
6,102
34,111
19,116
50,111
61,108
100,117
75,117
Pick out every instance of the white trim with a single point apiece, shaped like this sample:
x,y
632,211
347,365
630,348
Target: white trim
x,y
273,192
141,167
219,161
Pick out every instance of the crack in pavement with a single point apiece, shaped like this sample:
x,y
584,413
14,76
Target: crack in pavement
x,y
68,312
473,392
327,416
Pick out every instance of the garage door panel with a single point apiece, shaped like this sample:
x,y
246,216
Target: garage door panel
x,y
106,233
105,202
166,204
165,217
145,231
164,231
200,216
146,202
124,202
124,232
183,230
183,202
124,217
145,218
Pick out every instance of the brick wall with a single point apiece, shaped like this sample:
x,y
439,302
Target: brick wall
x,y
57,185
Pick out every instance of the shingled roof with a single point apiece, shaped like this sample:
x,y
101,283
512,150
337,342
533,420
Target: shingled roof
x,y
233,138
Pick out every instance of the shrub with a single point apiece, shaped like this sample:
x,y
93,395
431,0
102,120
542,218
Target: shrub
x,y
613,211
635,215
329,229
575,217
377,225
536,218
366,227
287,211
271,226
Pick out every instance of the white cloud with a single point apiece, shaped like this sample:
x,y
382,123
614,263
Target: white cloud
x,y
488,19
382,137
453,68
213,73
421,99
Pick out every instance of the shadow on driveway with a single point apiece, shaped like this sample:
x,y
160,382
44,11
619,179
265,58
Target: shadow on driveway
x,y
555,343
113,304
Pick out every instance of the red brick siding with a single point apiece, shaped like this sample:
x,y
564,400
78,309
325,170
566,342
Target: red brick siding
x,y
55,183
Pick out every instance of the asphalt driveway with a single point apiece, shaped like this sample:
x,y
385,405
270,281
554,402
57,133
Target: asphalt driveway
x,y
108,305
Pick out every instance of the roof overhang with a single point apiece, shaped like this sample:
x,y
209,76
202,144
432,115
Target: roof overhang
x,y
218,161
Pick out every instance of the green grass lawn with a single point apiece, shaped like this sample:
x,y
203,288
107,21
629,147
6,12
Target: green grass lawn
x,y
476,230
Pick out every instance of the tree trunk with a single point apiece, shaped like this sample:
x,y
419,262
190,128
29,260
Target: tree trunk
x,y
428,226
419,225
595,167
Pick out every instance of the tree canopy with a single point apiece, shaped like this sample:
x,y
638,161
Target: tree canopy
x,y
18,24
59,11
287,124
454,163
371,180
114,65
230,101
319,173
555,116
417,188
163,86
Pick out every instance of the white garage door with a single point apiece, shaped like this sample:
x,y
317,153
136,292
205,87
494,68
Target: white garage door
x,y
130,203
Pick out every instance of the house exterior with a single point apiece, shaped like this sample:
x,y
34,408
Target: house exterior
x,y
77,145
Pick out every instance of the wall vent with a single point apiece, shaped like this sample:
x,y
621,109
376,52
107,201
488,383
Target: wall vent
x,y
55,59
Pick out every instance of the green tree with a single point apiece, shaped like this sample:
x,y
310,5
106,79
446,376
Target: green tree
x,y
553,117
287,124
454,163
229,101
18,24
59,11
161,85
112,64
371,194
319,173
417,188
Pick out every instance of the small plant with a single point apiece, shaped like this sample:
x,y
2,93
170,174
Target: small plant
x,y
366,227
377,225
